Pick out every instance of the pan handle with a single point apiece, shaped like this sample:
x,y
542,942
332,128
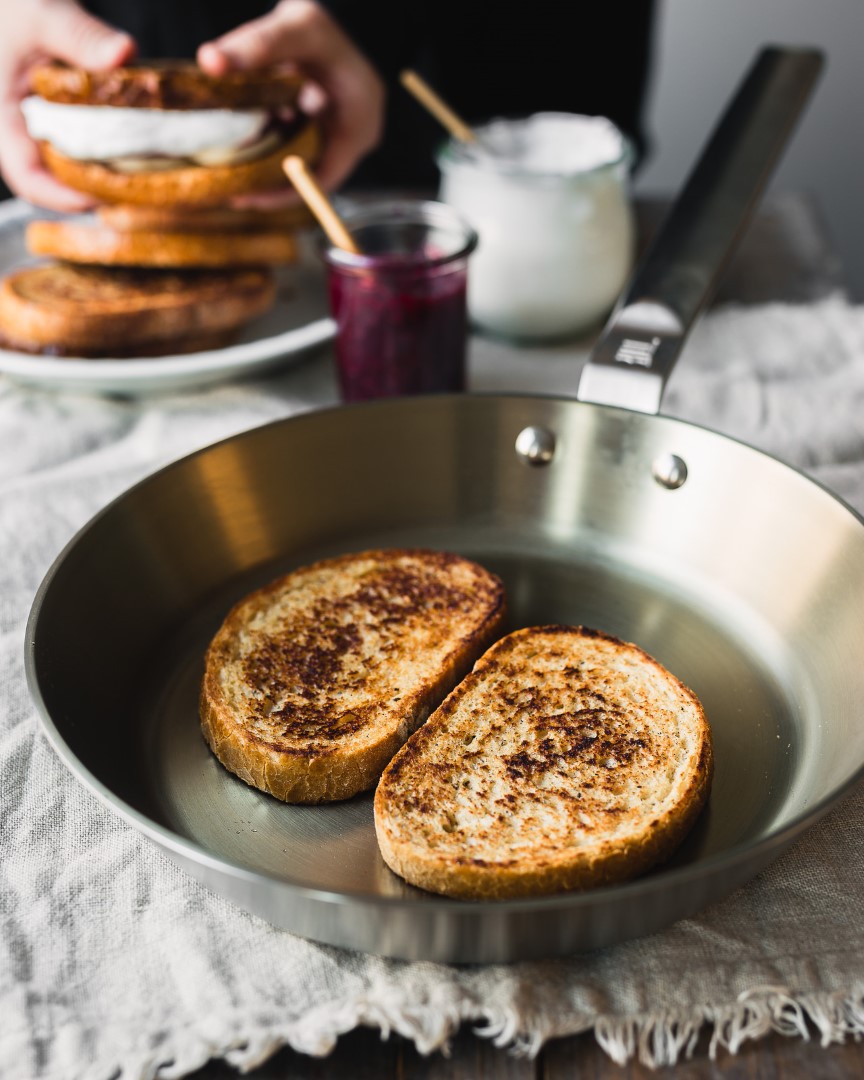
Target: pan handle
x,y
635,355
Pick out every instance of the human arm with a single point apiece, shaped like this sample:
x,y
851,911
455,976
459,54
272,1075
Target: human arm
x,y
33,32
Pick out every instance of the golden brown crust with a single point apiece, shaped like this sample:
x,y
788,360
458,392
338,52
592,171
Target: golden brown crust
x,y
313,683
202,219
309,778
204,342
96,244
79,307
188,185
570,787
166,84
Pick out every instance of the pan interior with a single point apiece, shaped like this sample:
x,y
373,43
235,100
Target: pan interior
x,y
734,665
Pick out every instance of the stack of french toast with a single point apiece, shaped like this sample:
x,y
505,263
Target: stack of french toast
x,y
167,263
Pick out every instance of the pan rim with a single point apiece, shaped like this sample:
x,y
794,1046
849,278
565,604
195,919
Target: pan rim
x,y
186,848
644,886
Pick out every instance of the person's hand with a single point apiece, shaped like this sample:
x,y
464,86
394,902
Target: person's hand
x,y
32,33
344,92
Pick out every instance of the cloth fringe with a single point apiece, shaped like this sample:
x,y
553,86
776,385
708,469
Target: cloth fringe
x,y
659,1040
654,1039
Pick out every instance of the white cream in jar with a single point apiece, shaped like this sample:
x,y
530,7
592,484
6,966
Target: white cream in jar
x,y
548,196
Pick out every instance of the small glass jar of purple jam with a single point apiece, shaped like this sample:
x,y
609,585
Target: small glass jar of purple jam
x,y
400,306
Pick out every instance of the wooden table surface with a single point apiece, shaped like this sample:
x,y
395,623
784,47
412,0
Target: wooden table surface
x,y
362,1055
785,255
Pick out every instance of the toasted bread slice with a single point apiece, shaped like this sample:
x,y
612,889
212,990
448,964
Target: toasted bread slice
x,y
204,342
202,219
76,309
314,682
99,245
166,84
188,185
566,759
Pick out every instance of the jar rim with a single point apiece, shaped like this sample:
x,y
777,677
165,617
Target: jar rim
x,y
360,214
455,154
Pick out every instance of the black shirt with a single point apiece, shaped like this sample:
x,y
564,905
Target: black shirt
x,y
485,58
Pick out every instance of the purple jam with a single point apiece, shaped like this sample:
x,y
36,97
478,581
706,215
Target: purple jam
x,y
401,326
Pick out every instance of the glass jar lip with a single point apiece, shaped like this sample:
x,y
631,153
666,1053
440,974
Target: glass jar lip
x,y
455,154
401,211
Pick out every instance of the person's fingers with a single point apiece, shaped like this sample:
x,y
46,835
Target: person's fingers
x,y
339,157
58,29
41,189
302,33
24,172
311,100
347,138
294,30
352,123
212,60
71,34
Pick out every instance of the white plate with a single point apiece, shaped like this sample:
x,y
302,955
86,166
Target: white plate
x,y
298,321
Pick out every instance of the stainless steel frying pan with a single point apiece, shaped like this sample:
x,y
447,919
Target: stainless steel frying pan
x,y
742,576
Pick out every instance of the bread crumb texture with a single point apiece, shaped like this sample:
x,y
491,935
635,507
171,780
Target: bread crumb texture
x,y
321,676
566,759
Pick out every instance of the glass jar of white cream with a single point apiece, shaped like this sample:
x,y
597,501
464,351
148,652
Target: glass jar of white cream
x,y
549,198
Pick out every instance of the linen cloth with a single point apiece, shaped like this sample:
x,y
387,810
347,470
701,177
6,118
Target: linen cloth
x,y
113,962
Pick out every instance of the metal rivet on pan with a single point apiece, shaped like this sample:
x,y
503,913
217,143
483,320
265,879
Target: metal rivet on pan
x,y
535,445
669,471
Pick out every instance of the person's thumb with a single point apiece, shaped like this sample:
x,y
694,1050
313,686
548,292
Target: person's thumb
x,y
73,35
294,31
